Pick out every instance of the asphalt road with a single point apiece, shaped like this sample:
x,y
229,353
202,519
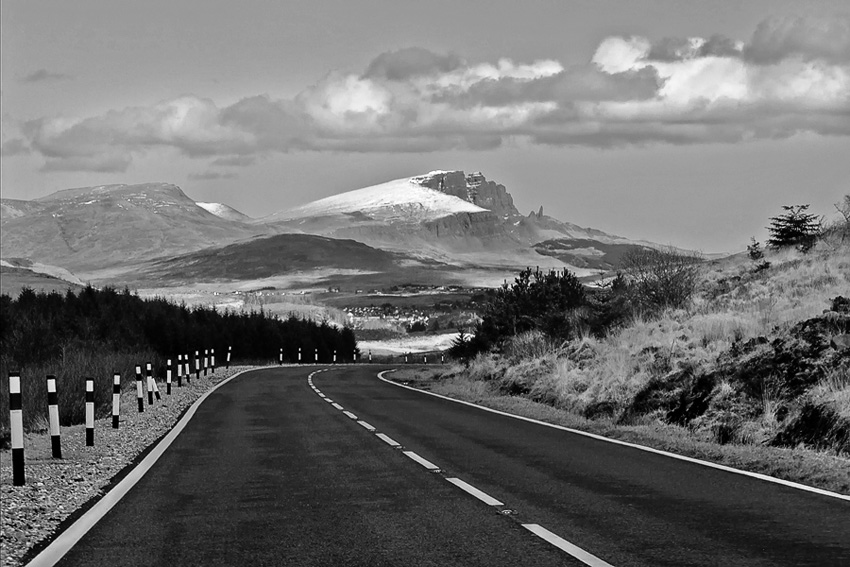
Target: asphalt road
x,y
270,473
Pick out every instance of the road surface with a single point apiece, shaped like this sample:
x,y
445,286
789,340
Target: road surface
x,y
272,472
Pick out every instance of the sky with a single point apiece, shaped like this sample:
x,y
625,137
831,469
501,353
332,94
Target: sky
x,y
677,121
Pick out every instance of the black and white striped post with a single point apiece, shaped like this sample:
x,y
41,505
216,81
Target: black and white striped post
x,y
179,370
228,357
212,359
280,357
334,356
354,356
89,412
299,355
317,356
206,360
405,358
168,377
149,383
442,358
16,422
425,358
187,371
140,394
197,366
116,399
370,356
53,416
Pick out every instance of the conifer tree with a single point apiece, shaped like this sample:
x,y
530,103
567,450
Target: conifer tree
x,y
794,227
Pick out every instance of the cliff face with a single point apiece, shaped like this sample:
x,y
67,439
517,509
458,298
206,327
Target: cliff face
x,y
473,188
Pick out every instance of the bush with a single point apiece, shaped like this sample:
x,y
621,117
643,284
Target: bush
x,y
660,279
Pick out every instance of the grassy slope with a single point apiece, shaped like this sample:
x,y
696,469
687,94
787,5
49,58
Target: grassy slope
x,y
735,303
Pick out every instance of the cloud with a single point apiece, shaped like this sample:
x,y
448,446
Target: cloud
x,y
212,175
15,147
410,62
234,161
42,75
790,77
776,39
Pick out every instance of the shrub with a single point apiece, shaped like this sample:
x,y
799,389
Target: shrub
x,y
660,279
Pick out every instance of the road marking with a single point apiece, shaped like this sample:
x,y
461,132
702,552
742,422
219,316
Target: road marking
x,y
322,396
367,426
387,439
330,401
709,464
349,414
468,488
564,545
424,462
336,405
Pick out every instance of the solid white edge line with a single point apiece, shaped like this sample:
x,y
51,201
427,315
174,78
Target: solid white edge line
x,y
367,426
57,549
336,405
424,462
564,545
349,414
717,466
481,495
387,439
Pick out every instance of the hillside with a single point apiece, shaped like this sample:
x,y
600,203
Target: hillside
x,y
271,256
760,360
110,226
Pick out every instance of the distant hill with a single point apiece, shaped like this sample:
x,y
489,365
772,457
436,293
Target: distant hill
x,y
112,225
224,211
272,256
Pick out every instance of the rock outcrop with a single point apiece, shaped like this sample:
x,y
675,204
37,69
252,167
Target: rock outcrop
x,y
474,188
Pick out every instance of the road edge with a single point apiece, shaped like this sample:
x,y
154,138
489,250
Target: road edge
x,y
725,468
69,537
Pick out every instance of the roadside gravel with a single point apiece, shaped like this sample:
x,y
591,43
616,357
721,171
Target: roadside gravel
x,y
31,515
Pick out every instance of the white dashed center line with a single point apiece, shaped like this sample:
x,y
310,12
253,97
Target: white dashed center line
x,y
468,488
367,426
564,545
424,462
349,414
336,405
388,440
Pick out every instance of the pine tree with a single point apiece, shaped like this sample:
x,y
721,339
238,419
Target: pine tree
x,y
795,227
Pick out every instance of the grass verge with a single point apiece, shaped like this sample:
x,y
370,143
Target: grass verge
x,y
800,465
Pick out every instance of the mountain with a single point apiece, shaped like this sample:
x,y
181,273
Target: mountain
x,y
443,226
456,218
112,226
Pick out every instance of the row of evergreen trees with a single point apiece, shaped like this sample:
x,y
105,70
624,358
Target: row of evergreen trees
x,y
40,326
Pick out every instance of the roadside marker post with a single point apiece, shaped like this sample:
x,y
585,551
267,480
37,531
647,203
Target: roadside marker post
x,y
212,359
16,422
187,372
168,377
405,358
228,358
179,370
197,366
354,356
370,356
149,383
334,356
299,355
53,416
140,395
280,357
442,359
89,412
116,399
425,358
317,356
206,360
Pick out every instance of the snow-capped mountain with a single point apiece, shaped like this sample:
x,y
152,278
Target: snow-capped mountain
x,y
406,200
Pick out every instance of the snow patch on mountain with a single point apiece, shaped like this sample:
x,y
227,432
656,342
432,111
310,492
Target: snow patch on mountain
x,y
223,211
400,200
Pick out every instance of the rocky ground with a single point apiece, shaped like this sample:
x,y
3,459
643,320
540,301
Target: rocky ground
x,y
55,489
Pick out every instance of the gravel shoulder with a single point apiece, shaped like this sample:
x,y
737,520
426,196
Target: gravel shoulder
x,y
57,490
